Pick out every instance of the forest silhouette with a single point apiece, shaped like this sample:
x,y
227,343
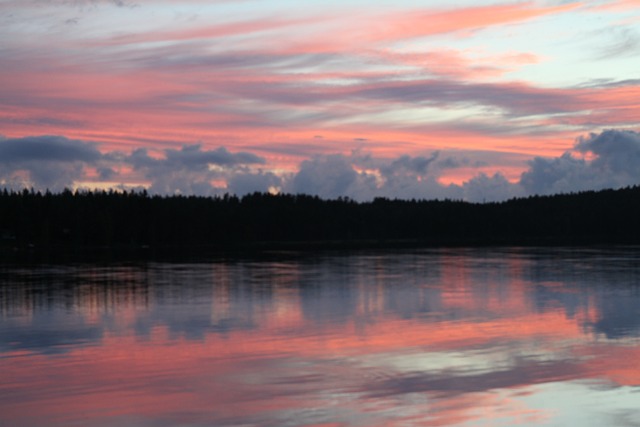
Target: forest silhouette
x,y
93,219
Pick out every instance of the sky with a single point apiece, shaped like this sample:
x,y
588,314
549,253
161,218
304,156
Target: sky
x,y
473,100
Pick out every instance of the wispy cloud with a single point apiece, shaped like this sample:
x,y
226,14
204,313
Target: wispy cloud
x,y
421,23
219,31
400,80
625,43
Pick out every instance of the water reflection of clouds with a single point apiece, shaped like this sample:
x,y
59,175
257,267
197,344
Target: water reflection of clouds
x,y
426,338
41,336
198,299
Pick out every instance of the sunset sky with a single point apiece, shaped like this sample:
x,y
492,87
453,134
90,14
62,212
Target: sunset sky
x,y
474,100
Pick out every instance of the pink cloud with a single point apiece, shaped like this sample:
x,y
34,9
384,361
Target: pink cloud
x,y
455,64
617,6
427,23
359,31
272,95
206,32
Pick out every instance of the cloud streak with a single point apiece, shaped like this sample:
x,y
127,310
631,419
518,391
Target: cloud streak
x,y
401,80
417,23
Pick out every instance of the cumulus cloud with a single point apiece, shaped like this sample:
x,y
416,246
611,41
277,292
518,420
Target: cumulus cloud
x,y
45,162
555,175
415,165
608,159
363,177
106,173
330,177
192,170
612,161
617,151
241,183
193,157
485,188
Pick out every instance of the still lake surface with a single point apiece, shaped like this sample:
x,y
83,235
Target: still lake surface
x,y
455,337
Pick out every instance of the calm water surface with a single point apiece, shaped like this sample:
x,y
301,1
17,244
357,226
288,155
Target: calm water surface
x,y
471,337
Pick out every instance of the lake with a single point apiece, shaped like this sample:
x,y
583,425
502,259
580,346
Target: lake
x,y
455,337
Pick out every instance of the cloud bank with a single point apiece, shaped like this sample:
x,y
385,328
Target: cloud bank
x,y
608,159
45,162
615,161
191,170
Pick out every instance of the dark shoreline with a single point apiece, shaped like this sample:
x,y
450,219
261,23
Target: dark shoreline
x,y
135,225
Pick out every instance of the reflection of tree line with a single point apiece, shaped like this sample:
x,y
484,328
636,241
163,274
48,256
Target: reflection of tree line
x,y
133,219
50,309
224,296
31,290
194,300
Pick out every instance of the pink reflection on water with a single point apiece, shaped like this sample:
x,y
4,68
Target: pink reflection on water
x,y
468,339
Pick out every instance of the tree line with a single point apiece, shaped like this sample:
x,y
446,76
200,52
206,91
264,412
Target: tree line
x,y
136,219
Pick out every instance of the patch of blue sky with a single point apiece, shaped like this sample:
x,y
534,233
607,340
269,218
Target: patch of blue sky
x,y
570,49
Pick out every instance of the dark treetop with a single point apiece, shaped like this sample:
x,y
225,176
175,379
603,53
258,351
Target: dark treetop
x,y
31,220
